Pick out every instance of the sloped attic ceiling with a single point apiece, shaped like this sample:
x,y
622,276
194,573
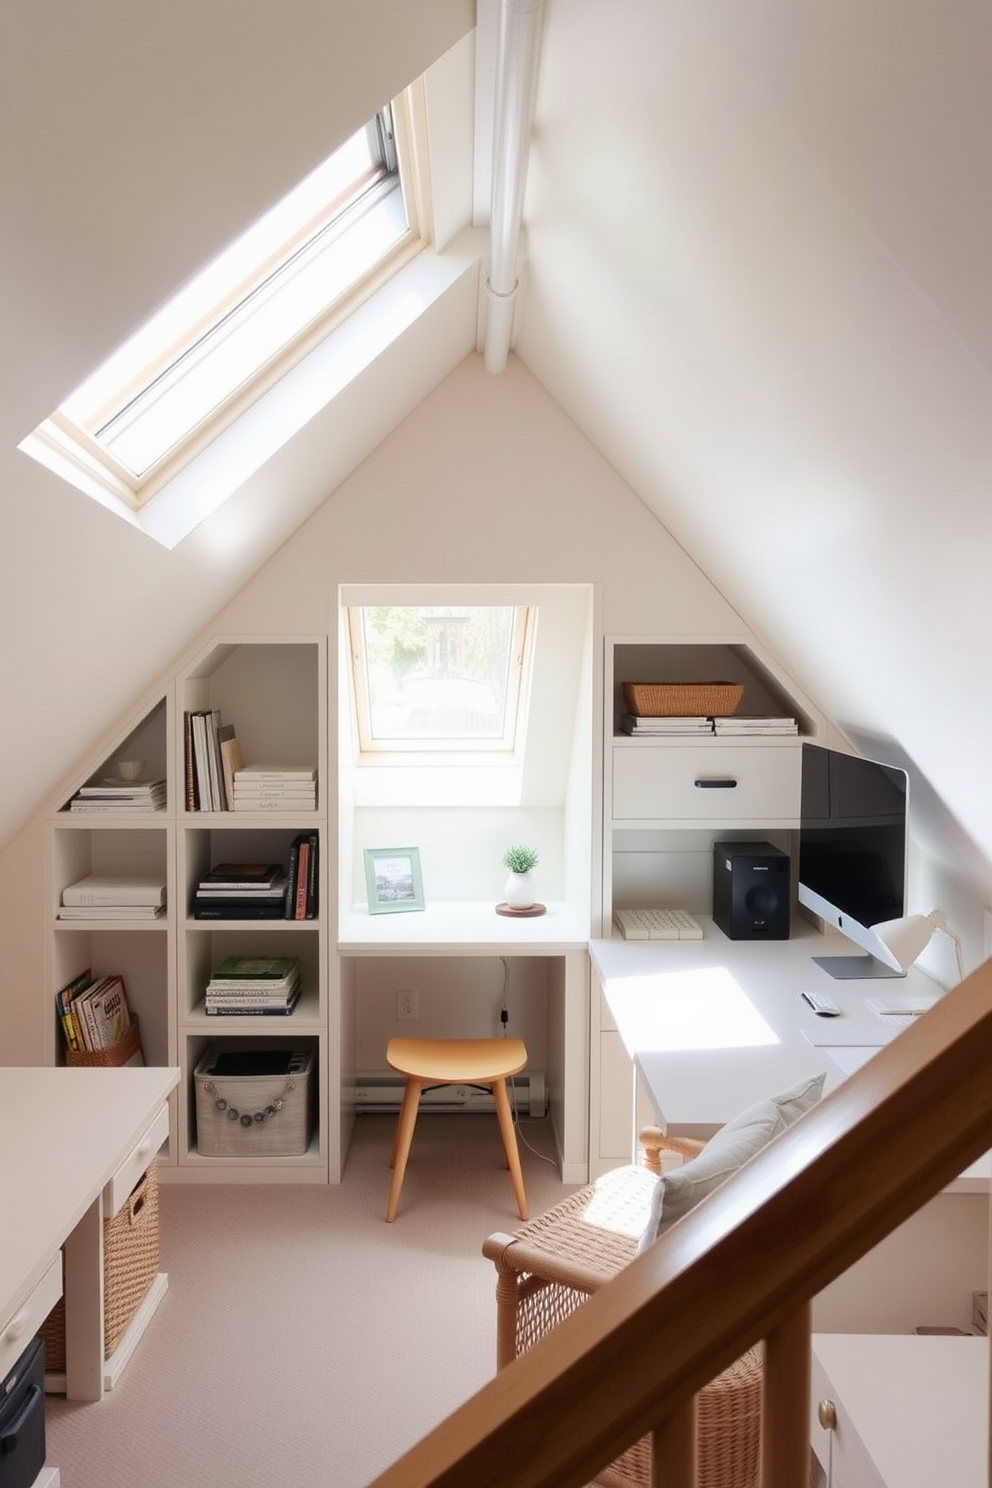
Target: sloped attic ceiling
x,y
757,242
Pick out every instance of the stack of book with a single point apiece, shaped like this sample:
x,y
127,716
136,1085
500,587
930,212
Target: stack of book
x,y
275,788
740,724
119,795
664,724
99,897
301,889
212,753
241,891
243,986
93,1012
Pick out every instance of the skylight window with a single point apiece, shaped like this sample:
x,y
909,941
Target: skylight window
x,y
239,324
439,678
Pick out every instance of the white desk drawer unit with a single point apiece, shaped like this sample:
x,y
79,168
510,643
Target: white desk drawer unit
x,y
28,1319
118,1190
691,783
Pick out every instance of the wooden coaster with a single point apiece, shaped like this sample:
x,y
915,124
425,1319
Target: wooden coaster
x,y
521,914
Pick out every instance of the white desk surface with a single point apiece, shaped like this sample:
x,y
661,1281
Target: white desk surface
x,y
462,928
881,1384
716,1024
63,1135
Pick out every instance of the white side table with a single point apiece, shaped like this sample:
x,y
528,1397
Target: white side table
x,y
912,1411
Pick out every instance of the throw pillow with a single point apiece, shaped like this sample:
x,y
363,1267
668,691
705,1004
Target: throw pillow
x,y
681,1190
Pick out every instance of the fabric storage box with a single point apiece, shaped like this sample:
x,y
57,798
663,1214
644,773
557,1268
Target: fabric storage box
x,y
131,1259
253,1102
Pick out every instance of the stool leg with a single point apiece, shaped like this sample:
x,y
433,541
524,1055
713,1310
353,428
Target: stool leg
x,y
505,1118
401,1143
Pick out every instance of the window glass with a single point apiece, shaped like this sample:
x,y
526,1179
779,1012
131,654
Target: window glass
x,y
438,676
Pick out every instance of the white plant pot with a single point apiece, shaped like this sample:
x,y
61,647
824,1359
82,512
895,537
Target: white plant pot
x,y
519,891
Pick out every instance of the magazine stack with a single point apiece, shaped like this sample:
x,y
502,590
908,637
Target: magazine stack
x,y
265,986
275,788
241,891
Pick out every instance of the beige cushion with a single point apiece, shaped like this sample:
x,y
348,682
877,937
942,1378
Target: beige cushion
x,y
682,1189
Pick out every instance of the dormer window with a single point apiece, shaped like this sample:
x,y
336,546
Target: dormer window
x,y
446,678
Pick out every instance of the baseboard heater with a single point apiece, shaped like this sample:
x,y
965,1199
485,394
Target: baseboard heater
x,y
528,1093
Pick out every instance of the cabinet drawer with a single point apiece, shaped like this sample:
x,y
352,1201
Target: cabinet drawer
x,y
135,1164
671,782
28,1319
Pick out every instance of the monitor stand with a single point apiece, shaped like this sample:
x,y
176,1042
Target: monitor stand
x,y
855,968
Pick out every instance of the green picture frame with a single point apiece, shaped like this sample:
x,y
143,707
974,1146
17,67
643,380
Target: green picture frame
x,y
393,879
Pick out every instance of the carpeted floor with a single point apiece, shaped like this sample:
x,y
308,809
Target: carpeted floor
x,y
303,1341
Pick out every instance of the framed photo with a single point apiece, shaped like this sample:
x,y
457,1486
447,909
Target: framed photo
x,y
392,877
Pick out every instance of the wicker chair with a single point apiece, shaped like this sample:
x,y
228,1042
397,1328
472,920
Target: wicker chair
x,y
549,1266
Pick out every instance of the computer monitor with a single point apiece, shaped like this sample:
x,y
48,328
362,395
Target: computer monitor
x,y
852,853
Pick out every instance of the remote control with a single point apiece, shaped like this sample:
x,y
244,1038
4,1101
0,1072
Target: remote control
x,y
823,1007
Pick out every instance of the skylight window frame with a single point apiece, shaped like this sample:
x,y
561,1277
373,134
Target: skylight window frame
x,y
64,444
434,750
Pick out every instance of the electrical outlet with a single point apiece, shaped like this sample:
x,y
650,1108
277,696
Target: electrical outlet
x,y
406,1004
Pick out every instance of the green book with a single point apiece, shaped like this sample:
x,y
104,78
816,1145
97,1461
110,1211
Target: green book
x,y
257,968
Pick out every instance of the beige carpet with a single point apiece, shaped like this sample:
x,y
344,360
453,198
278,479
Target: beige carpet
x,y
304,1342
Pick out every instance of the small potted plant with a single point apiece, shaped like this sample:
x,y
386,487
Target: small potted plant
x,y
519,890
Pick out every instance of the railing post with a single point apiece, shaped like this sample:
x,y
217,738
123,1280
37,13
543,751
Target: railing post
x,y
673,1449
785,1445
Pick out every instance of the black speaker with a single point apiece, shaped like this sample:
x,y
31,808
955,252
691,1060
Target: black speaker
x,y
751,890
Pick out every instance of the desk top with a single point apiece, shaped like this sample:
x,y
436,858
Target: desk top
x,y
912,1410
716,1024
462,928
63,1135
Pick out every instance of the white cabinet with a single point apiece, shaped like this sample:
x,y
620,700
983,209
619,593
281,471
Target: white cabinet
x,y
670,783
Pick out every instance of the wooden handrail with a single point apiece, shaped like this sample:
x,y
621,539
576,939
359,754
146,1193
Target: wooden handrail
x,y
739,1268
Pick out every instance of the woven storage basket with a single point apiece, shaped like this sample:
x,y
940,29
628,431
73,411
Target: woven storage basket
x,y
682,699
131,1259
125,1049
261,1110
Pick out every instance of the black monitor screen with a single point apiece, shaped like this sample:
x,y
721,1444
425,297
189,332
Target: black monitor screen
x,y
852,840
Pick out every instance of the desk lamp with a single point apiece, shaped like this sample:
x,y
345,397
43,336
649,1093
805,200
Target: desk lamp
x,y
907,938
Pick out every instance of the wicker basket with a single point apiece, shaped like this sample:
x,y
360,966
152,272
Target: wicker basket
x,y
131,1260
259,1111
682,699
126,1047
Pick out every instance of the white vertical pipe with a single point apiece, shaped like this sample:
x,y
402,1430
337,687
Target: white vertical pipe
x,y
518,48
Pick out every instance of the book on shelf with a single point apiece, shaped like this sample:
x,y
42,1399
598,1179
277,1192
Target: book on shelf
x,y
301,891
264,772
253,790
203,751
255,969
116,797
93,1011
215,1009
665,725
241,876
230,758
64,999
750,724
101,888
110,912
275,890
258,908
247,991
284,804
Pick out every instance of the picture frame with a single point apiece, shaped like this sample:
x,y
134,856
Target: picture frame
x,y
393,879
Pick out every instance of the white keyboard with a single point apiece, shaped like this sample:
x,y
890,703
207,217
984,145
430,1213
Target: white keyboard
x,y
657,924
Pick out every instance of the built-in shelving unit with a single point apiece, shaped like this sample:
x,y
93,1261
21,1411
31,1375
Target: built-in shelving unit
x,y
666,800
274,693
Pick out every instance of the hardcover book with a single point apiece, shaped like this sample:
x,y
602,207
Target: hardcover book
x,y
98,888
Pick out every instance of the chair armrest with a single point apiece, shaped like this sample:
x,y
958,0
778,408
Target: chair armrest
x,y
655,1142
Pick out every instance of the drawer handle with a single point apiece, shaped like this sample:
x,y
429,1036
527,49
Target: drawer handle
x,y
143,1148
17,1325
826,1414
727,784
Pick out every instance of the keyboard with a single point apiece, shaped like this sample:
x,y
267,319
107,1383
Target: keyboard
x,y
657,924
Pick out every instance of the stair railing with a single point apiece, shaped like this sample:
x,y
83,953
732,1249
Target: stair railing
x,y
742,1267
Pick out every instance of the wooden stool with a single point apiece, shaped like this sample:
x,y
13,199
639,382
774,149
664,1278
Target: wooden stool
x,y
454,1062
